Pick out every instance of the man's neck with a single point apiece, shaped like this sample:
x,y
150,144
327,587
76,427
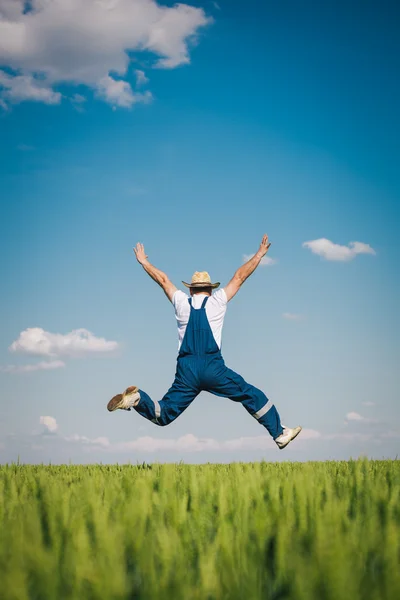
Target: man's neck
x,y
201,294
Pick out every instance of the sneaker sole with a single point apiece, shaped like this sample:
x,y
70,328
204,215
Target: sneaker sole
x,y
291,439
118,400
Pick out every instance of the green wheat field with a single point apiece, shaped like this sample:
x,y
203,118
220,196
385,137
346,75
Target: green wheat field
x,y
321,531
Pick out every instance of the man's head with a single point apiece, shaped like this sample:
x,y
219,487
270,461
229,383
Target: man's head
x,y
202,290
201,284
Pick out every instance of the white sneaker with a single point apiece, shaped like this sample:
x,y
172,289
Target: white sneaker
x,y
287,436
125,401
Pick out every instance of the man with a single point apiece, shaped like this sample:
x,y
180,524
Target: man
x,y
200,365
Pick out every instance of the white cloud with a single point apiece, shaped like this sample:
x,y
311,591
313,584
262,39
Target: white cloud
x,y
141,78
40,366
368,403
78,342
118,92
265,261
25,87
354,416
292,316
84,41
50,424
10,9
331,251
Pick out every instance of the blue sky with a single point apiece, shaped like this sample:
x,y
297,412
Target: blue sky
x,y
195,131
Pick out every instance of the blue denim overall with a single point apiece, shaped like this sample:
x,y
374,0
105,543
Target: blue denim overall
x,y
200,366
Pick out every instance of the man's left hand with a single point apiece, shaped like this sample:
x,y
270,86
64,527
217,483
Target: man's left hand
x,y
140,254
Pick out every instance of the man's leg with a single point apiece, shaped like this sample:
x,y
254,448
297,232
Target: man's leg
x,y
175,401
225,382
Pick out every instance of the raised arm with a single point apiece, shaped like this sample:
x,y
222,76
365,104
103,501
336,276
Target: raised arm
x,y
246,270
158,276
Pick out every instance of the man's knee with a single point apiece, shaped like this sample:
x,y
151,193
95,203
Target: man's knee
x,y
259,395
162,420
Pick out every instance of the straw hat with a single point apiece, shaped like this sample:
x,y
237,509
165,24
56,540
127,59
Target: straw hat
x,y
201,279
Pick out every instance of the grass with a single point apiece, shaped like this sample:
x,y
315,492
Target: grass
x,y
312,531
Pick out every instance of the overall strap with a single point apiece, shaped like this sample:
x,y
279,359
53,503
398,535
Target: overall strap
x,y
190,302
204,302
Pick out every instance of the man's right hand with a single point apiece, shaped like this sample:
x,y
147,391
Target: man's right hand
x,y
140,254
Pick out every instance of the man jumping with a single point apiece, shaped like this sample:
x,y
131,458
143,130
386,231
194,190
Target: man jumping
x,y
200,365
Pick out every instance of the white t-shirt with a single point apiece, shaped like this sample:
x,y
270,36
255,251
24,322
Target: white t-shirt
x,y
215,311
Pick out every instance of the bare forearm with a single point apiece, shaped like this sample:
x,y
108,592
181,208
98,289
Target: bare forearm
x,y
158,276
248,268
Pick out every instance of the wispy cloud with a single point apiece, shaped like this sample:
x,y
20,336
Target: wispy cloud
x,y
78,101
58,42
292,316
40,366
82,439
78,342
331,251
354,416
266,261
186,443
352,437
357,418
141,78
78,98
